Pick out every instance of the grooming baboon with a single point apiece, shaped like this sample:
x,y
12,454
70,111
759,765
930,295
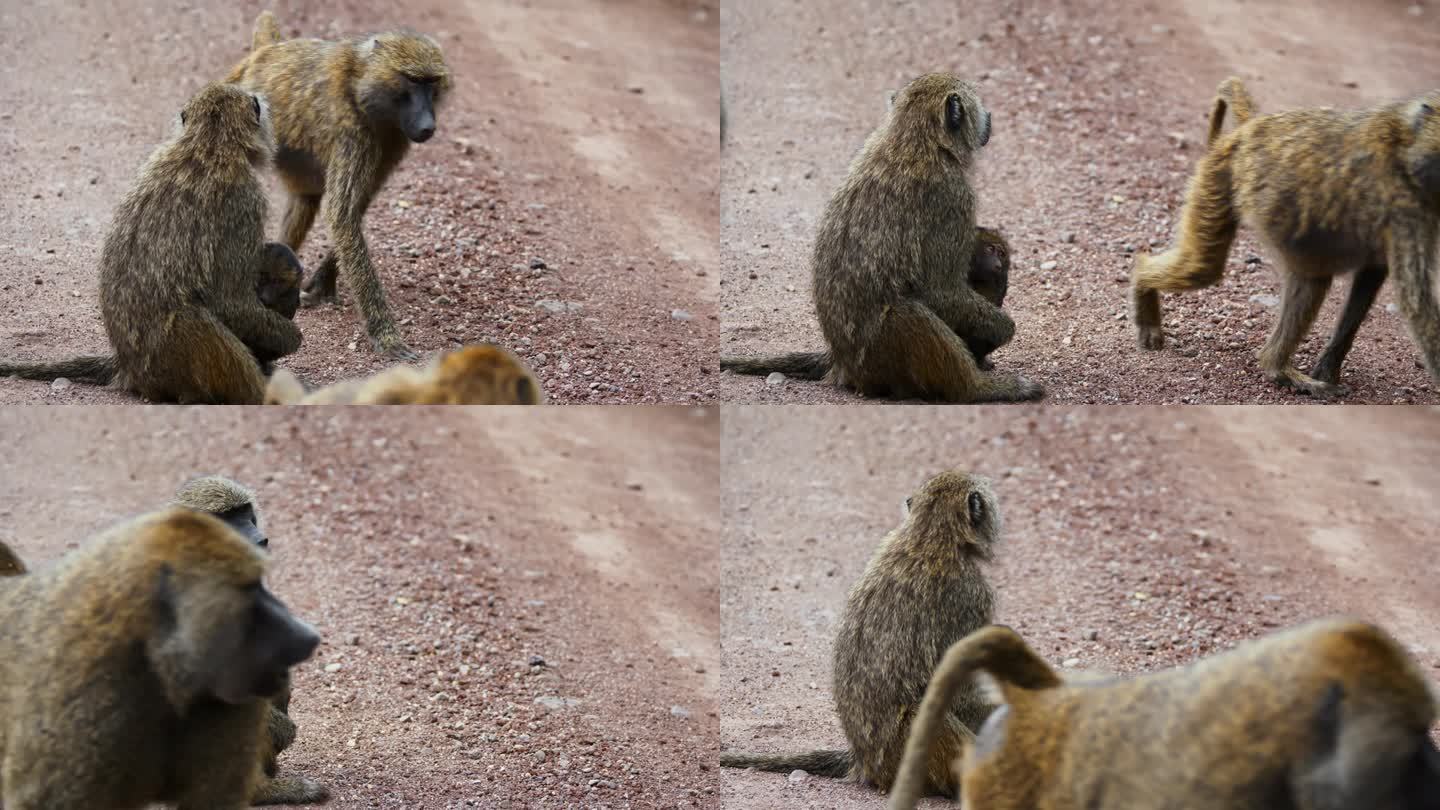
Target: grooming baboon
x,y
484,374
923,590
10,562
135,670
1331,714
989,277
1332,191
891,254
345,116
182,262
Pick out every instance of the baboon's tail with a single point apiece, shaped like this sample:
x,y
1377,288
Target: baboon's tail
x,y
997,650
834,764
267,31
93,369
801,365
1231,93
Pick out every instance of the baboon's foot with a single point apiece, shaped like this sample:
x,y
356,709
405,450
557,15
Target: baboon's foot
x,y
1291,377
320,287
390,344
1151,338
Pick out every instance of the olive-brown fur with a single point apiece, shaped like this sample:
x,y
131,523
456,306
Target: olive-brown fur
x,y
126,670
180,264
891,258
1328,715
340,135
1332,192
484,374
923,590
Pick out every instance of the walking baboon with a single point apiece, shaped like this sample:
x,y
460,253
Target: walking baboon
x,y
1328,715
1333,191
484,374
135,669
891,254
345,116
989,277
182,262
923,590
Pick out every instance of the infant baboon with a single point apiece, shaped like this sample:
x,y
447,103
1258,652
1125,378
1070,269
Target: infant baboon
x,y
182,262
345,116
136,669
1333,191
1328,715
893,248
923,590
474,375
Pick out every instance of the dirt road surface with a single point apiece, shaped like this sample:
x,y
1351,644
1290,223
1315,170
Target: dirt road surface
x,y
581,136
1166,533
1100,111
520,603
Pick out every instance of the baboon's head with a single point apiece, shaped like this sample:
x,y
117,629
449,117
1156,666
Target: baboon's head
x,y
946,108
485,375
1367,755
279,280
225,120
216,631
1423,155
990,269
232,503
404,80
958,511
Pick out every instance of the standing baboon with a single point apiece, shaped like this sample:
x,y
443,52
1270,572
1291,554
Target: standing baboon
x,y
345,116
923,590
484,374
135,669
1333,191
891,256
181,263
1328,715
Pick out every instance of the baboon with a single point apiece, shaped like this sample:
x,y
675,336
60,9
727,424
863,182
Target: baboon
x,y
923,590
141,663
891,254
1230,94
1330,714
1332,191
989,276
181,264
483,374
345,116
10,562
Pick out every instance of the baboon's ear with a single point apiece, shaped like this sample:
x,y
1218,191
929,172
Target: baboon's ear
x,y
975,503
1421,114
369,46
954,113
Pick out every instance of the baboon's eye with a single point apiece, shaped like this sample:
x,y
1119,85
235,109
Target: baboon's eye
x,y
976,505
255,100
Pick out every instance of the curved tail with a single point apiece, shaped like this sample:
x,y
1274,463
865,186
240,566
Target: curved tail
x,y
267,31
93,369
834,764
997,650
801,365
1231,93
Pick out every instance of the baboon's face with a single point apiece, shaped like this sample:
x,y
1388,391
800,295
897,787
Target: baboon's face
x,y
243,520
407,78
990,274
281,275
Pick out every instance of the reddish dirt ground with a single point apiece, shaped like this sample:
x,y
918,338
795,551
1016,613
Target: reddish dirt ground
x,y
1170,533
582,134
441,558
1100,109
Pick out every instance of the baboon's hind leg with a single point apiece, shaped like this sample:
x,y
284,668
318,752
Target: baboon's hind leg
x,y
1303,294
1363,289
924,358
1207,229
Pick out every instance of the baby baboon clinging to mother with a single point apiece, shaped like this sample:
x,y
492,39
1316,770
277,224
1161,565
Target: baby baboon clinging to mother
x,y
1332,191
136,669
923,590
182,262
484,374
892,256
1329,715
345,116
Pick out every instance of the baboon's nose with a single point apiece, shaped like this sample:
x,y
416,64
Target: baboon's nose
x,y
423,134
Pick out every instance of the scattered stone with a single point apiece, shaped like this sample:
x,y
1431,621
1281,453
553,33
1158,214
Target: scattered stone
x,y
775,378
679,711
335,667
1070,663
60,384
554,703
558,307
535,660
1265,300
1090,635
635,485
538,264
1050,265
1372,480
680,315
798,777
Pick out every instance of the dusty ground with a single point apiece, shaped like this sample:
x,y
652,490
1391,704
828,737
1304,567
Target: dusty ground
x,y
441,558
582,134
1100,108
1170,532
